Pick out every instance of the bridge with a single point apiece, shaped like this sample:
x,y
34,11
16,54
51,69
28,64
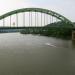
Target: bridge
x,y
32,19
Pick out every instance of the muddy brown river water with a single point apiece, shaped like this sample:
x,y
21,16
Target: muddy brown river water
x,y
36,55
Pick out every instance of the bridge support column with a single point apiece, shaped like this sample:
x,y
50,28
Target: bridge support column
x,y
10,21
17,19
24,19
3,22
73,35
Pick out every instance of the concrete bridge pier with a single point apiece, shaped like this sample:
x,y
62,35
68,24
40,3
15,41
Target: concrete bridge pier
x,y
73,38
73,35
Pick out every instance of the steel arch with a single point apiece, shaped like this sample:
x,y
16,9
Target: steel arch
x,y
46,11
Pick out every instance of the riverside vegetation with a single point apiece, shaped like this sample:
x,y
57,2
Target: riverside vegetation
x,y
59,30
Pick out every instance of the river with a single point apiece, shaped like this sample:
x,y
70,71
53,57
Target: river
x,y
35,55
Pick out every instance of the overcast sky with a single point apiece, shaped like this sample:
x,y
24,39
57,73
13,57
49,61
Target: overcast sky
x,y
64,7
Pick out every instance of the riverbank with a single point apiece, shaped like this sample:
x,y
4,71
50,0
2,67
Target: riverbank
x,y
63,33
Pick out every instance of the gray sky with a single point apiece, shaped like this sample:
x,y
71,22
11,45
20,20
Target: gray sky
x,y
63,7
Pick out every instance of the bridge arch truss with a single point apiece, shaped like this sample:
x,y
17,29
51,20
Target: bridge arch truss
x,y
32,16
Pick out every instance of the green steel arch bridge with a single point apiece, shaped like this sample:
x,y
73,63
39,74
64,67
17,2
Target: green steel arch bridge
x,y
31,18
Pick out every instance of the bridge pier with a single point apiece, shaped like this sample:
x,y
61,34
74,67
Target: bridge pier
x,y
73,35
